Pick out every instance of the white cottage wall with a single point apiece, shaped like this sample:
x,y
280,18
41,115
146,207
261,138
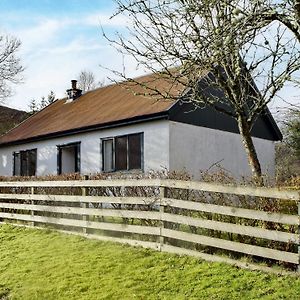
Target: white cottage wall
x,y
167,145
195,149
156,149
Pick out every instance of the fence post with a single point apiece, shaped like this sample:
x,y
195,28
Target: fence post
x,y
84,205
32,203
161,210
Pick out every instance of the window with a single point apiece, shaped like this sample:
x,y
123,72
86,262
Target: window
x,y
122,153
68,158
25,163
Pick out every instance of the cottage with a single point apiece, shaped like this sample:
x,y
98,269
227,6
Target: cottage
x,y
111,129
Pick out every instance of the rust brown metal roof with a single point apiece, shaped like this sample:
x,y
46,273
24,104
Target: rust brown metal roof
x,y
104,105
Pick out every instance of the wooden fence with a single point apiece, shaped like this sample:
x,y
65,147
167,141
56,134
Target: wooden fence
x,y
185,217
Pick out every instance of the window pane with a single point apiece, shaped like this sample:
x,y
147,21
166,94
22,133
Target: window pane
x,y
135,151
17,164
107,152
121,153
31,162
24,162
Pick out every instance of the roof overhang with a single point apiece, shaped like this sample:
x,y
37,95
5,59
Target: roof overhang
x,y
126,122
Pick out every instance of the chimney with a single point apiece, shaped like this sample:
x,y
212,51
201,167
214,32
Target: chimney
x,y
74,83
74,92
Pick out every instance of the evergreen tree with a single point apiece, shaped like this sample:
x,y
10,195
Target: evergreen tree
x,y
43,103
51,97
33,107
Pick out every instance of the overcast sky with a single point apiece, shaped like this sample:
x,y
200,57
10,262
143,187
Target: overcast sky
x,y
62,37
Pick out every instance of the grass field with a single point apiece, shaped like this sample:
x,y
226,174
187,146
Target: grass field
x,y
41,264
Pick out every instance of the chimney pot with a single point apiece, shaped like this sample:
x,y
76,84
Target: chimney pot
x,y
74,83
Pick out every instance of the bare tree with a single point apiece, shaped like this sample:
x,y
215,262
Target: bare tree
x,y
86,80
292,130
288,152
200,44
263,12
10,67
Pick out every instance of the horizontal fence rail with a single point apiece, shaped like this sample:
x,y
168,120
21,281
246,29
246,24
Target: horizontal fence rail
x,y
185,217
180,184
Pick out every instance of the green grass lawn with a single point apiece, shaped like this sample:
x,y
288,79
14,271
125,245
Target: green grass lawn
x,y
41,264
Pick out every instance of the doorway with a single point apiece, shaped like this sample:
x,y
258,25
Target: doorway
x,y
68,158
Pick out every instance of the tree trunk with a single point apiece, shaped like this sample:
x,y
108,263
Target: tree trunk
x,y
253,161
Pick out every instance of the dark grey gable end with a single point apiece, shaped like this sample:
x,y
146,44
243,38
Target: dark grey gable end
x,y
265,126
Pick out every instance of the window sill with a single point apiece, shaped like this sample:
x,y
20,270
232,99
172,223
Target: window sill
x,y
134,171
